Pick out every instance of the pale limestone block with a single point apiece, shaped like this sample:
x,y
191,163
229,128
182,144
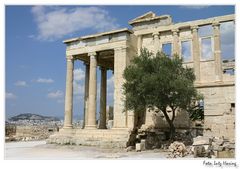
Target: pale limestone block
x,y
139,147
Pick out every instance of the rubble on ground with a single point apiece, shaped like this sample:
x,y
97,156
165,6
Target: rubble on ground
x,y
130,148
213,147
177,149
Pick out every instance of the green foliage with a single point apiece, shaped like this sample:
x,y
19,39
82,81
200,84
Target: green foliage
x,y
159,81
197,113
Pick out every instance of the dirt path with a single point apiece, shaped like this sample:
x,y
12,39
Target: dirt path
x,y
41,150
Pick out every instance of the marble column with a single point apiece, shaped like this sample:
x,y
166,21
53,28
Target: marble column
x,y
196,53
156,42
86,94
217,51
103,98
91,121
176,49
69,93
139,43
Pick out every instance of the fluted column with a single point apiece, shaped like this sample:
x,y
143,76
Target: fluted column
x,y
156,41
91,121
139,43
86,94
69,93
217,51
176,49
103,98
196,52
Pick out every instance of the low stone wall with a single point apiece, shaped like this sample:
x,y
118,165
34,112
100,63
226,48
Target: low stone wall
x,y
159,138
109,138
155,119
28,133
10,130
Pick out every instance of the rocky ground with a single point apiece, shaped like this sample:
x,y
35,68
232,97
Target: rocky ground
x,y
41,150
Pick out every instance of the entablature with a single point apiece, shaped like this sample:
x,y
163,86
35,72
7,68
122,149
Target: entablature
x,y
186,25
99,39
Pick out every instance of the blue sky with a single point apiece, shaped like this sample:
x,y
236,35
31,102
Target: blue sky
x,y
35,54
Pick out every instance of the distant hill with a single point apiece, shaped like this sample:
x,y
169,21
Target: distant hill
x,y
30,116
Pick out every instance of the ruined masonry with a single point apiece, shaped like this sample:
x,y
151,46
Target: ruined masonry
x,y
114,50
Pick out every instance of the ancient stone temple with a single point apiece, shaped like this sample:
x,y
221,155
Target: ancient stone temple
x,y
114,50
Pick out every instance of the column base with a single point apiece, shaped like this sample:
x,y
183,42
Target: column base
x,y
68,127
90,127
119,128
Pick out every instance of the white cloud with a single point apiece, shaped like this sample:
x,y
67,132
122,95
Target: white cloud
x,y
55,22
110,90
186,50
110,84
206,30
195,6
10,95
20,83
207,49
79,74
227,32
55,95
44,80
78,82
78,88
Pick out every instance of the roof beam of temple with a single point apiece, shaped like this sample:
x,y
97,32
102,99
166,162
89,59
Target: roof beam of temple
x,y
182,25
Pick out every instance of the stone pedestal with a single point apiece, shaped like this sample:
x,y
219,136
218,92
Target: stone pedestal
x,y
117,138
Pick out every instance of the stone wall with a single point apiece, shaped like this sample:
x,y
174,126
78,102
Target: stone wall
x,y
112,138
156,119
211,80
219,111
10,130
34,132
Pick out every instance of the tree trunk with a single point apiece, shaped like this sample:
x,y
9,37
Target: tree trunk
x,y
172,130
171,125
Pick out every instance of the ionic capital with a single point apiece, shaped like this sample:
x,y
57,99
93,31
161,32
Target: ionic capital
x,y
194,28
69,58
155,35
92,54
216,25
175,31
